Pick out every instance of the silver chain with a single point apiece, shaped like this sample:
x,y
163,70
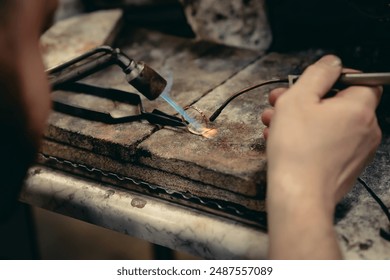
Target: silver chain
x,y
185,196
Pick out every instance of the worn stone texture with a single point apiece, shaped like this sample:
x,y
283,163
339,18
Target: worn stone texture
x,y
236,23
196,66
235,158
185,61
73,36
171,182
229,167
359,227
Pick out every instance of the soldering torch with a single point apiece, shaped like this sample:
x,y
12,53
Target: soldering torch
x,y
138,74
345,79
357,79
142,77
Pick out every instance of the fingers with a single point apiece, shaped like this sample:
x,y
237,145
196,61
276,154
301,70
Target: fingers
x,y
318,78
267,116
368,96
275,94
266,133
350,70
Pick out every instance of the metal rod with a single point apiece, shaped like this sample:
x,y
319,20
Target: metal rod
x,y
365,79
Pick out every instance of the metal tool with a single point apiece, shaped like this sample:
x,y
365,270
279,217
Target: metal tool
x,y
115,116
138,74
346,79
357,79
365,79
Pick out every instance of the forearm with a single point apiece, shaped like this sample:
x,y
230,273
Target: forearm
x,y
24,94
300,228
18,142
17,150
316,148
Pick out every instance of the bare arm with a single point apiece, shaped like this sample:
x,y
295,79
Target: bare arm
x,y
24,92
316,148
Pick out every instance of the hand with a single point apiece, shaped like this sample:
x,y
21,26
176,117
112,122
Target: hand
x,y
317,147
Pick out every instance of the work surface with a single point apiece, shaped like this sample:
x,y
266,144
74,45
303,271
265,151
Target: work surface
x,y
221,179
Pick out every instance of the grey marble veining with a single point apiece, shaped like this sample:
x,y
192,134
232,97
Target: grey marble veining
x,y
209,236
148,218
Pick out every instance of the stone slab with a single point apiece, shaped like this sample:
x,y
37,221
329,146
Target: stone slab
x,y
235,158
242,24
360,218
184,59
230,167
196,67
106,169
155,220
73,36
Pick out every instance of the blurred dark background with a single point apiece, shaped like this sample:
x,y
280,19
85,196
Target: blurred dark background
x,y
356,30
359,30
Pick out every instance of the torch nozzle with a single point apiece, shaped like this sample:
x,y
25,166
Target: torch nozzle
x,y
146,80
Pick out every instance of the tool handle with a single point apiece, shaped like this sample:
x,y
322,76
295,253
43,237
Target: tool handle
x,y
365,79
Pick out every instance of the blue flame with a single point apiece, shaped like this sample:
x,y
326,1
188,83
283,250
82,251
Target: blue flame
x,y
177,107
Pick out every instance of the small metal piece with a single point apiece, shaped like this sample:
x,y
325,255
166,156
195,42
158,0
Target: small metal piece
x,y
202,127
292,79
201,113
203,131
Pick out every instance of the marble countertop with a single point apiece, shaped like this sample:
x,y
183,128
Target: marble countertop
x,y
152,219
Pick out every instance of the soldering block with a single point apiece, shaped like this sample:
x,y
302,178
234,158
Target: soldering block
x,y
73,36
242,24
228,169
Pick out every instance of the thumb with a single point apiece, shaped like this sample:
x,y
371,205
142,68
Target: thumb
x,y
318,78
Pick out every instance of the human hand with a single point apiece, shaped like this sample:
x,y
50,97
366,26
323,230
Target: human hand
x,y
315,149
322,141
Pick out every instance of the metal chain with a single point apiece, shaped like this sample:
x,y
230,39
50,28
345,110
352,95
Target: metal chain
x,y
185,196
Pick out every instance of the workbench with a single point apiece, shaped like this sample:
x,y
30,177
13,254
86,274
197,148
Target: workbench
x,y
203,196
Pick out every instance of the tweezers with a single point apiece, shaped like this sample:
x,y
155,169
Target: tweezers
x,y
156,117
